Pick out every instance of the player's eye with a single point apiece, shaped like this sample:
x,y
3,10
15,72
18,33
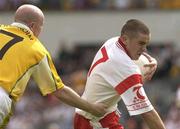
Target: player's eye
x,y
142,43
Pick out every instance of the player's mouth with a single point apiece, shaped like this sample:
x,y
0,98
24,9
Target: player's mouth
x,y
139,54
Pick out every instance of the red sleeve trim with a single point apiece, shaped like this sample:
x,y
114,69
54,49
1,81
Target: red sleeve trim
x,y
128,83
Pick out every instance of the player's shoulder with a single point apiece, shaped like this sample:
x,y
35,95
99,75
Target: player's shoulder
x,y
110,45
121,61
39,47
112,40
3,26
115,52
14,31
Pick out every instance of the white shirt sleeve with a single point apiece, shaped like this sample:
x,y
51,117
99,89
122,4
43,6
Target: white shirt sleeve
x,y
136,100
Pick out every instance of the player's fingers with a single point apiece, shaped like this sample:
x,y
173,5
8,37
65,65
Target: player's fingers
x,y
151,73
152,70
150,65
147,56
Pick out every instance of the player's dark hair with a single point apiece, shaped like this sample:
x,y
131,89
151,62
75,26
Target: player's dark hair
x,y
133,27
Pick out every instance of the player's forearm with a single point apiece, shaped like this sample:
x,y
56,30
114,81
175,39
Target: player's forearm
x,y
70,97
153,120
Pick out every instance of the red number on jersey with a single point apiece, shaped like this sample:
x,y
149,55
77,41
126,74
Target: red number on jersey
x,y
101,60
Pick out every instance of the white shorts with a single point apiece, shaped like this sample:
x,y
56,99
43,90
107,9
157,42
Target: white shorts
x,y
5,107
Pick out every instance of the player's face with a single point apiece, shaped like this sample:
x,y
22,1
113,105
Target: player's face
x,y
137,45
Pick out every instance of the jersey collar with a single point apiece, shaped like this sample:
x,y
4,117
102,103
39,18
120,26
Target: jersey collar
x,y
121,43
21,25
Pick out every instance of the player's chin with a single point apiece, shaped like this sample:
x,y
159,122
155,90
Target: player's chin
x,y
136,57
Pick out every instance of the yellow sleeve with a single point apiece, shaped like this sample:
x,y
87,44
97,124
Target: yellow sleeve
x,y
46,76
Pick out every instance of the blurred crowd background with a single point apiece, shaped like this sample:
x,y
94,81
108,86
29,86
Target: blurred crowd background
x,y
71,5
37,112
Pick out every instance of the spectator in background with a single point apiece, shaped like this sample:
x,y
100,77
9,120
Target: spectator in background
x,y
122,4
4,5
173,119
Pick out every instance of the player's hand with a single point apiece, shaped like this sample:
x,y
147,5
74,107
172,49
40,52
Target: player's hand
x,y
152,66
150,72
99,109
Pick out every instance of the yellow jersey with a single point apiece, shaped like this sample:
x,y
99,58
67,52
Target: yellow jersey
x,y
22,56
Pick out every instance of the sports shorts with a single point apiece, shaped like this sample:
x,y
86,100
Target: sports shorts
x,y
110,121
6,105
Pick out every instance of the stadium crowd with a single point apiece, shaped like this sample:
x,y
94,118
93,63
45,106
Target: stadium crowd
x,y
33,111
71,5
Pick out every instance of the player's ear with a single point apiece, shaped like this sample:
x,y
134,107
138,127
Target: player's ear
x,y
125,39
31,25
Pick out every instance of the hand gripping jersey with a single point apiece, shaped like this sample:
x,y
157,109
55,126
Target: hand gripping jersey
x,y
22,56
114,76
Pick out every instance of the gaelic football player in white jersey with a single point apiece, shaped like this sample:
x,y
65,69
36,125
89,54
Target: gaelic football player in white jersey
x,y
113,76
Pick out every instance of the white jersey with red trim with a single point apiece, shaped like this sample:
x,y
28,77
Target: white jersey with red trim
x,y
113,76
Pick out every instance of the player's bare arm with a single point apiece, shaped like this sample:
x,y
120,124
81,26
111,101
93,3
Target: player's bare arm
x,y
70,97
153,120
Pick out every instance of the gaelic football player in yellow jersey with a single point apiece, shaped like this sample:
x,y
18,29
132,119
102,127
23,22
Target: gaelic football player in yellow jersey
x,y
23,56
